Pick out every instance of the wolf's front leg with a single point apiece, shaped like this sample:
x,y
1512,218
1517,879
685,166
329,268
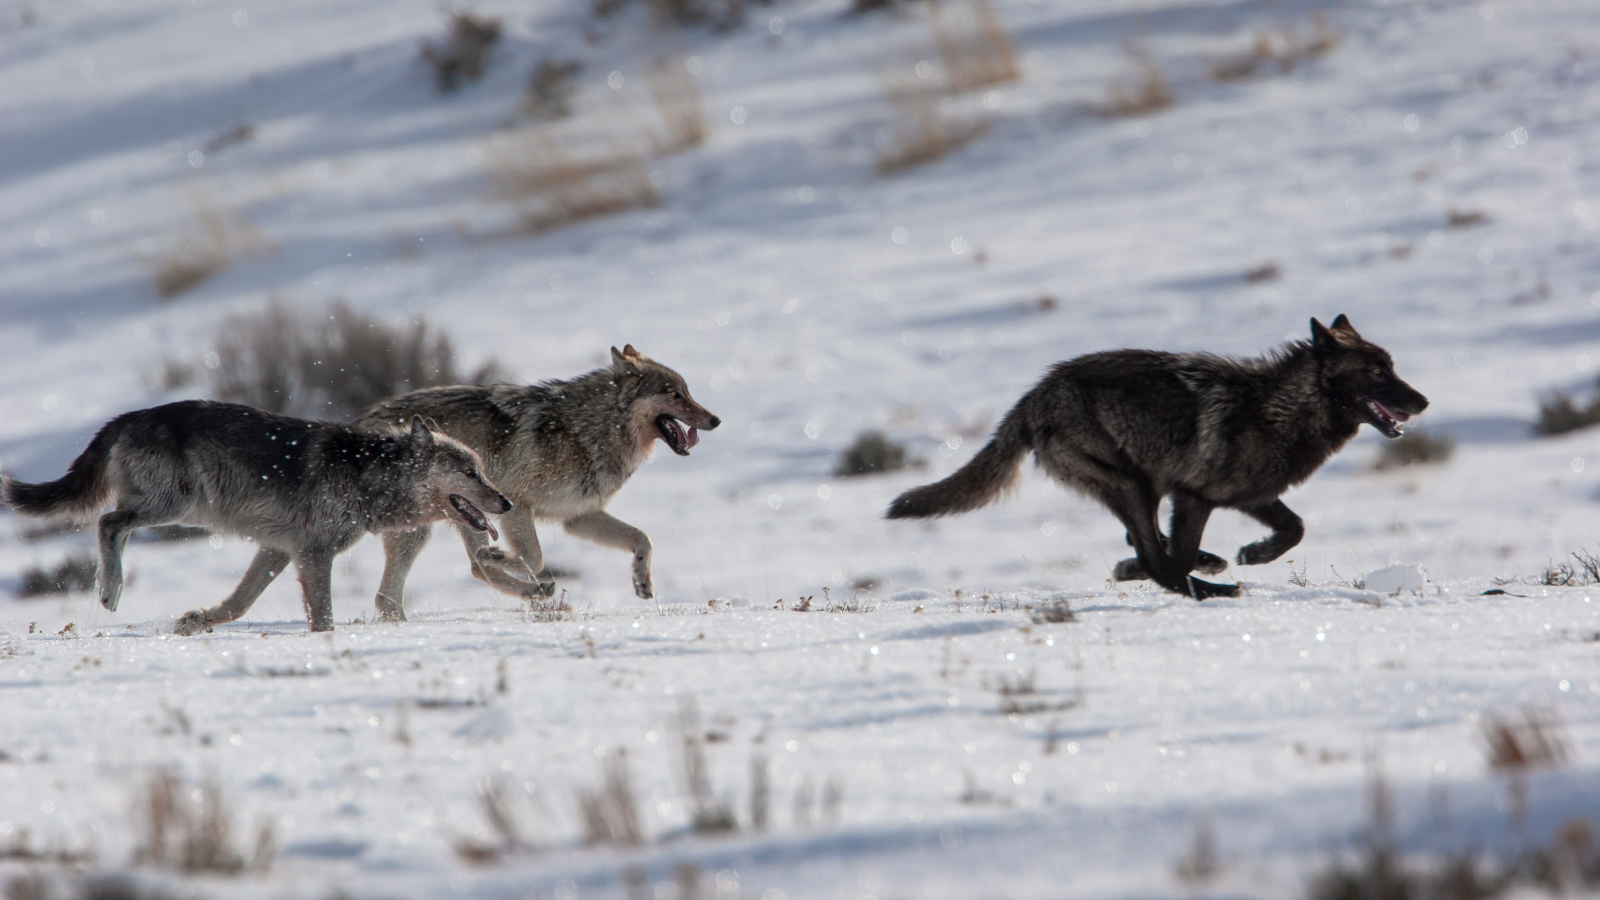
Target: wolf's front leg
x,y
608,531
316,580
1287,530
265,567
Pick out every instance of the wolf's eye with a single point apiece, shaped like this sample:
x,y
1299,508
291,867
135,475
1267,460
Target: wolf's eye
x,y
470,474
1376,370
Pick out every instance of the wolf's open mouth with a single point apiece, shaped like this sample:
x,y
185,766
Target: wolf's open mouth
x,y
679,437
473,517
1390,422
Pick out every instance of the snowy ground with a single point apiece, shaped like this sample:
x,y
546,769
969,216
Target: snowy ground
x,y
805,299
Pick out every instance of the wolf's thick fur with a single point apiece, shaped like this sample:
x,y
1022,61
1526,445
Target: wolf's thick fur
x,y
559,450
1129,427
302,491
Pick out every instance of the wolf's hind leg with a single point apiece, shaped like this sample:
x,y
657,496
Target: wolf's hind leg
x,y
1287,530
493,567
265,567
115,526
1130,570
526,559
1135,505
400,549
609,531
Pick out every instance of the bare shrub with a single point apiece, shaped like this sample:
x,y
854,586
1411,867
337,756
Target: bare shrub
x,y
207,247
191,830
1565,574
677,100
550,88
556,609
464,55
1053,614
1560,413
611,814
1269,271
286,360
75,573
973,48
1415,447
1141,91
1282,47
1201,864
555,180
872,453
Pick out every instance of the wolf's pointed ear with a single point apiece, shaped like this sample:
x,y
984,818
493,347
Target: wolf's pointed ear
x,y
1320,337
421,437
629,353
622,361
1343,330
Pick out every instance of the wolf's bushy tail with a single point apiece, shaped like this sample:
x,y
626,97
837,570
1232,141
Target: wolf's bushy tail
x,y
978,483
78,495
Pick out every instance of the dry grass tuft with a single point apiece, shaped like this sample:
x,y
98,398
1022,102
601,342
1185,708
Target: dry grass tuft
x,y
206,248
677,101
1141,91
464,55
554,182
974,50
926,124
611,814
1202,864
1283,47
1535,738
494,800
711,815
1415,447
75,573
1465,218
1269,271
1053,614
191,830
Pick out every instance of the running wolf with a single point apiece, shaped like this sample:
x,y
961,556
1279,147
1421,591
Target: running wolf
x,y
561,449
302,491
1128,427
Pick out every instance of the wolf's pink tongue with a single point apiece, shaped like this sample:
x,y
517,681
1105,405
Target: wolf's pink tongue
x,y
493,535
691,438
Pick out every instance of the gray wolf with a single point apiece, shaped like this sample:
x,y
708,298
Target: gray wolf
x,y
560,450
1128,427
302,491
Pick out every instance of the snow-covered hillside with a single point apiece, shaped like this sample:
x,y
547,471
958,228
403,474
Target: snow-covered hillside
x,y
805,297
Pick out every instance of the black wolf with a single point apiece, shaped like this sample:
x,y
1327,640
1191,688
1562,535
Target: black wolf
x,y
560,450
302,491
1128,427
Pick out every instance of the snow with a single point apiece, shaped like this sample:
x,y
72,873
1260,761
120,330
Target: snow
x,y
805,299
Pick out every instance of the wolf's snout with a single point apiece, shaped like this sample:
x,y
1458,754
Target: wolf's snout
x,y
505,504
713,423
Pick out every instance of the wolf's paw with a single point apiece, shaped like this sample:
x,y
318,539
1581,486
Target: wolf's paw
x,y
540,590
1202,590
192,623
1258,553
493,556
643,588
1209,563
1129,570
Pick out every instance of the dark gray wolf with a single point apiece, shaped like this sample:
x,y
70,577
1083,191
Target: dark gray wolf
x,y
302,491
1129,427
560,450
